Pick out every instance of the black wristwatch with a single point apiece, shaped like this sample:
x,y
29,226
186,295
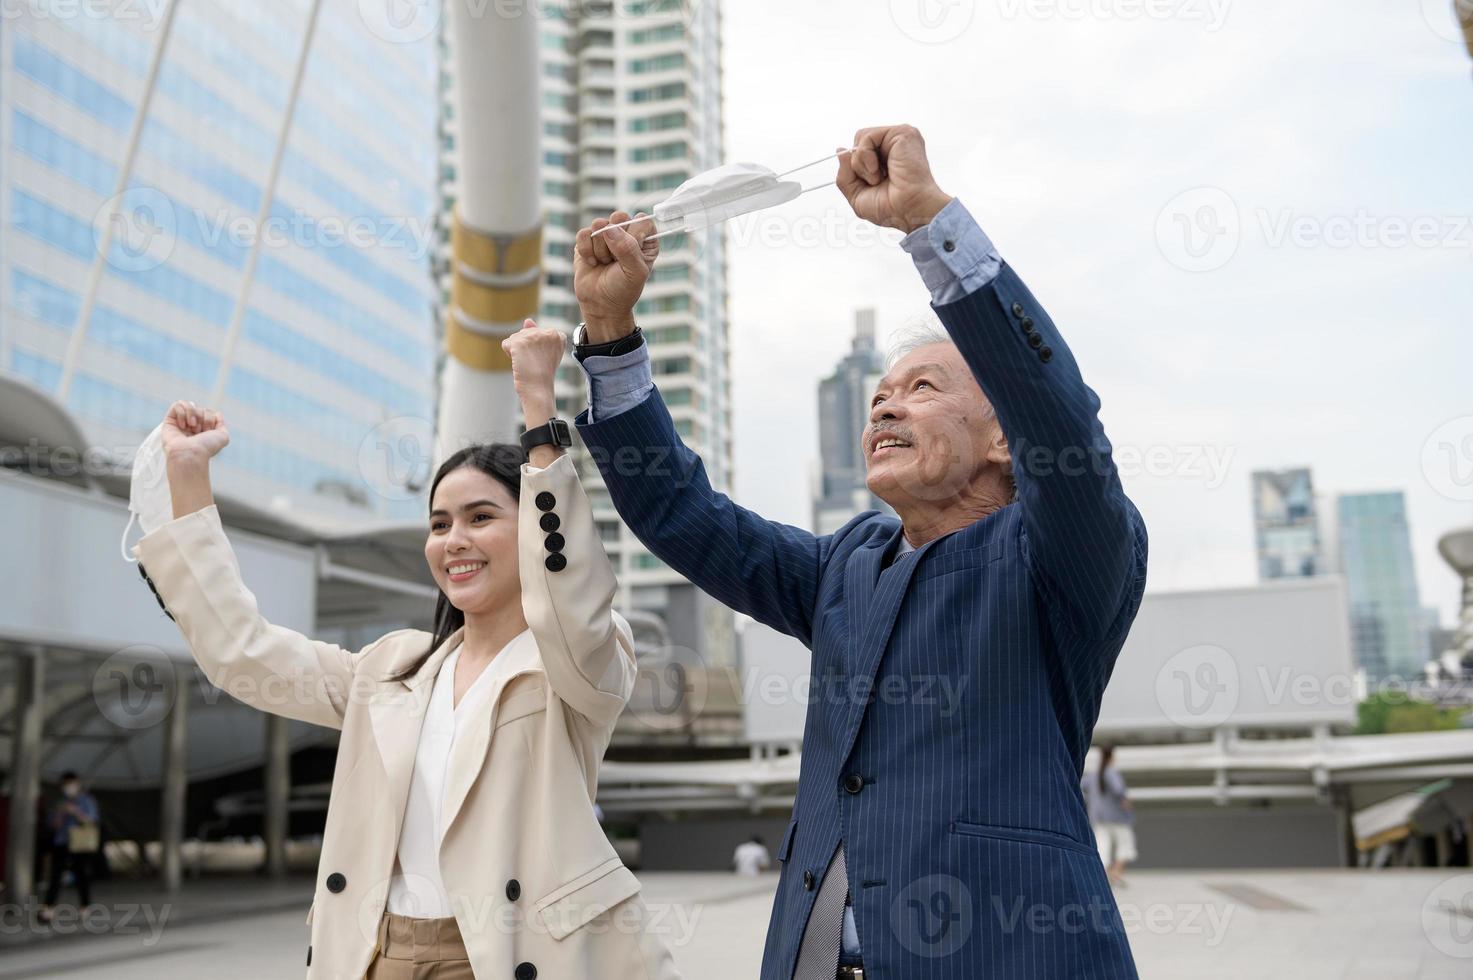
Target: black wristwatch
x,y
613,348
554,432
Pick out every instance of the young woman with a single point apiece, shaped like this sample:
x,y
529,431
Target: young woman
x,y
461,839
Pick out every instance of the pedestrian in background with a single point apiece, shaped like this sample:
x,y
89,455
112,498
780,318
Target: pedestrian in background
x,y
1111,814
751,857
75,839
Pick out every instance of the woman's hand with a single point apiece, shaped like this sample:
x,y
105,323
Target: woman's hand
x,y
535,354
193,434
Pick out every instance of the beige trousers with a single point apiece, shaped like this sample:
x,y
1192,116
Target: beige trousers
x,y
419,949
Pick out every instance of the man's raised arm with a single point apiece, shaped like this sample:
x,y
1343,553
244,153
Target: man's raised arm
x,y
765,569
1084,536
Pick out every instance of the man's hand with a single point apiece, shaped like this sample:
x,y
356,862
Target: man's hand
x,y
609,273
535,354
887,178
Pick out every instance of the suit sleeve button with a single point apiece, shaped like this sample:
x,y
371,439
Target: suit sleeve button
x,y
808,880
550,523
513,890
336,882
1017,309
546,501
1027,324
1035,340
526,971
555,562
1045,354
555,542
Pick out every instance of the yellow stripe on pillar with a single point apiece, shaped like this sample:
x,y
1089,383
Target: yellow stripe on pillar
x,y
496,255
474,350
491,304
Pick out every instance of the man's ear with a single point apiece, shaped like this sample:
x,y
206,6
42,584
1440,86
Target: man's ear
x,y
997,448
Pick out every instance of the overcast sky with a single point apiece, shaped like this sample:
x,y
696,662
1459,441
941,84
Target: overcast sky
x,y
1304,145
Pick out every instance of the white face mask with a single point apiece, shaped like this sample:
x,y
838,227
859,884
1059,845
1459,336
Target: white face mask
x,y
725,192
149,500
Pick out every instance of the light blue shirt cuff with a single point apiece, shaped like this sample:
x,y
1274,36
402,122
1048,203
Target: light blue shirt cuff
x,y
953,254
617,384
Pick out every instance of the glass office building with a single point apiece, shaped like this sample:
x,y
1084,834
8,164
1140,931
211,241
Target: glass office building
x,y
336,332
1388,626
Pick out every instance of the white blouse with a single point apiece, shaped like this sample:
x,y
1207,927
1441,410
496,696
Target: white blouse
x,y
416,889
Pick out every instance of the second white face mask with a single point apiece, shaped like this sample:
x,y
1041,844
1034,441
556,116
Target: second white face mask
x,y
150,502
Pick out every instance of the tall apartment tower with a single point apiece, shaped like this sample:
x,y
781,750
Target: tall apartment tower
x,y
335,337
1286,526
1388,627
843,411
631,109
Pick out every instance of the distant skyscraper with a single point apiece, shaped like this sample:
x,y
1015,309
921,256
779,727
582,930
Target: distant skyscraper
x,y
1388,625
843,412
336,337
1284,517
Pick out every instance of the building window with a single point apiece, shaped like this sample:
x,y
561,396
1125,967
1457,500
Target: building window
x,y
653,35
663,62
670,90
655,124
660,151
659,182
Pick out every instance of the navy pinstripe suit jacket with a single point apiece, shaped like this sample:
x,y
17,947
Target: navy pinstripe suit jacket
x,y
955,688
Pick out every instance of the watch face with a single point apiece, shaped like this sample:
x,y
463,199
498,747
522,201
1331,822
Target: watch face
x,y
561,434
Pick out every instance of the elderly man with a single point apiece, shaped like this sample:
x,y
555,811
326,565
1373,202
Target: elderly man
x,y
931,837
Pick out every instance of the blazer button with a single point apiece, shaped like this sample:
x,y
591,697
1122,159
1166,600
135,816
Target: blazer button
x,y
550,523
546,501
1017,309
526,971
1027,324
808,880
1045,354
336,882
1035,340
555,562
853,783
513,890
555,542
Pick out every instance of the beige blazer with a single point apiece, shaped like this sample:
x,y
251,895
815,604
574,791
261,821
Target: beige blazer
x,y
537,888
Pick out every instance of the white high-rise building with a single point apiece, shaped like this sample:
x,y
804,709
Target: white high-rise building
x,y
631,108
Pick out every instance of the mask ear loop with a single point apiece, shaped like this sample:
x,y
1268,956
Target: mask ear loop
x,y
123,543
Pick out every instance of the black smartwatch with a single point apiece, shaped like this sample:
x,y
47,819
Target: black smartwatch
x,y
554,432
612,349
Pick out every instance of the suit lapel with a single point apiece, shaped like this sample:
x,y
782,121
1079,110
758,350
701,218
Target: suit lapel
x,y
879,594
396,714
468,754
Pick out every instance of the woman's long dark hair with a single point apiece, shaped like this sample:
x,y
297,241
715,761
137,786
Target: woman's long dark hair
x,y
1107,753
502,462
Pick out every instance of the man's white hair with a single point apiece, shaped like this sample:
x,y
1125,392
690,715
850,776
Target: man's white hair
x,y
923,331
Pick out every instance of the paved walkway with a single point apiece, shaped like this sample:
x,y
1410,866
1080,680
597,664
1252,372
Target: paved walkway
x,y
1303,925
